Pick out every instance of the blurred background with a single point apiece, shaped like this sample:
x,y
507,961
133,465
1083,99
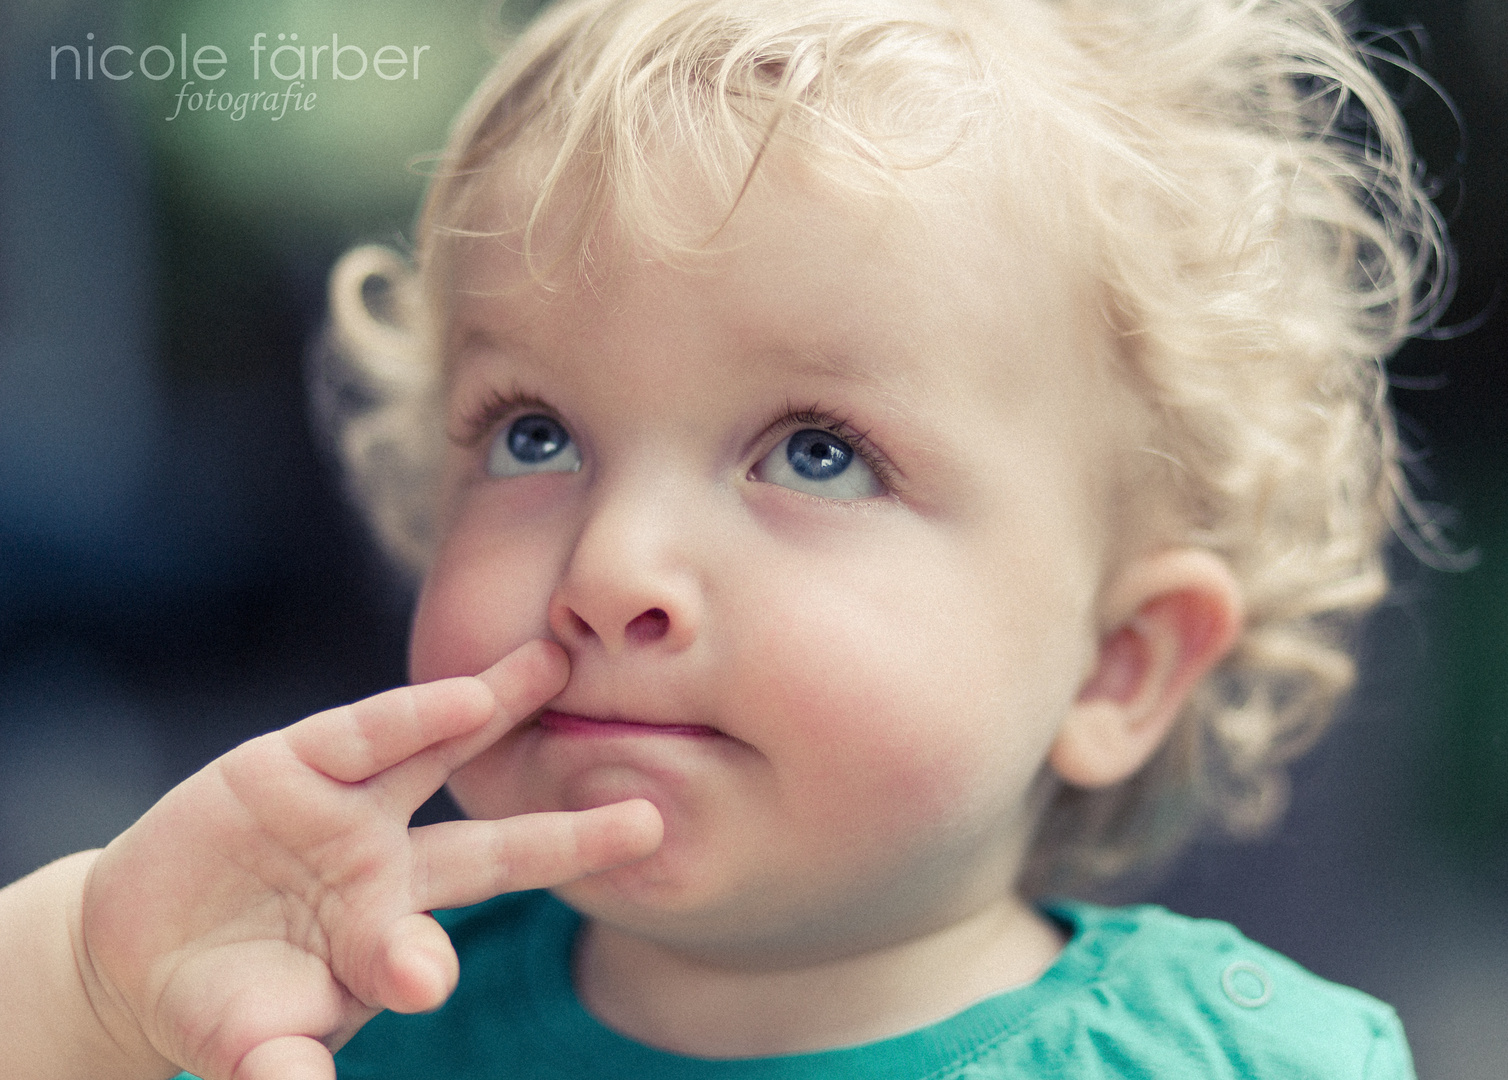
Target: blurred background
x,y
179,570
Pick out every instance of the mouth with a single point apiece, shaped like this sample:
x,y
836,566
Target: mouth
x,y
569,724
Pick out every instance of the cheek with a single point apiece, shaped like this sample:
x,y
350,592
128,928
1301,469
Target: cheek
x,y
894,702
482,598
490,786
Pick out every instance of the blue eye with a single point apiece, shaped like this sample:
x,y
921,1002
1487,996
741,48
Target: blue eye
x,y
533,444
819,463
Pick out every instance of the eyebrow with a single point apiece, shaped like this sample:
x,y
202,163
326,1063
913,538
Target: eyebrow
x,y
817,362
811,361
804,360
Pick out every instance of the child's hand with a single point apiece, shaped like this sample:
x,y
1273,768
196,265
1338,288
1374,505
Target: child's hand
x,y
274,902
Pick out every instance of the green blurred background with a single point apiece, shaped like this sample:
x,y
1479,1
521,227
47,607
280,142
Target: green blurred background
x,y
179,570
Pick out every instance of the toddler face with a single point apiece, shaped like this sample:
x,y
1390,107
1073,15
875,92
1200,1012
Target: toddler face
x,y
819,517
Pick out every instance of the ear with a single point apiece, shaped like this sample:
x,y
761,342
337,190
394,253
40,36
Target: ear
x,y
1169,617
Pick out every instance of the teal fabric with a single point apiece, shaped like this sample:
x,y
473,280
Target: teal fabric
x,y
1137,993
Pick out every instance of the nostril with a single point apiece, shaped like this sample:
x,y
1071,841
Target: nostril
x,y
581,626
649,626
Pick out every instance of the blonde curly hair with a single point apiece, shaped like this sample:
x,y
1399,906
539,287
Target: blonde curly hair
x,y
1231,170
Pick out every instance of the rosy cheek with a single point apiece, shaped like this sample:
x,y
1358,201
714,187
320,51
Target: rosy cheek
x,y
896,705
477,606
877,738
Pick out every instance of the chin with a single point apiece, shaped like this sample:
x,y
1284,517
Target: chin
x,y
745,927
660,887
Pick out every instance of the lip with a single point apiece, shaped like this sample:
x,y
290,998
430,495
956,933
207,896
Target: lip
x,y
590,727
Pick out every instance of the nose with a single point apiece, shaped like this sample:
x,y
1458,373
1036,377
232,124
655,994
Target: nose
x,y
629,582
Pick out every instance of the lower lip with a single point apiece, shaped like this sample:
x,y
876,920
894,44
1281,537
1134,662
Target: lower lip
x,y
566,724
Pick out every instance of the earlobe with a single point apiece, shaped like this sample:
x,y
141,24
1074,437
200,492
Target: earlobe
x,y
1170,618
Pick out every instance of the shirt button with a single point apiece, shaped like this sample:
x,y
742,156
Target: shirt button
x,y
1246,984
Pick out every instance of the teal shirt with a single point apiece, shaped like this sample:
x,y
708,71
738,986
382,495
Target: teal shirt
x,y
1136,993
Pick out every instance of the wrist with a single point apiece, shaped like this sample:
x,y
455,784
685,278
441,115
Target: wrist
x,y
123,1037
57,1016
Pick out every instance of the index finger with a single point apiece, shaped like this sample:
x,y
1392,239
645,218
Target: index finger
x,y
356,742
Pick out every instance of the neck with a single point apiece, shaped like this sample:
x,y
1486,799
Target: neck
x,y
665,998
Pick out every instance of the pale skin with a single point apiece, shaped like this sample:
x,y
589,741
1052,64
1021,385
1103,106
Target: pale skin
x,y
783,747
269,906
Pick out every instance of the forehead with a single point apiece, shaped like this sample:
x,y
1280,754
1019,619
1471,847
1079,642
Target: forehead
x,y
894,286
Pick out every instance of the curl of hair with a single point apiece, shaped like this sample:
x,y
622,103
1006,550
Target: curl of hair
x,y
1231,171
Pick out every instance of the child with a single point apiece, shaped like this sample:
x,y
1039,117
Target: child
x,y
873,464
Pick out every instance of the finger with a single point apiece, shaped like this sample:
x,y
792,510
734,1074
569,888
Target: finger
x,y
289,1057
356,742
520,683
417,969
517,677
466,862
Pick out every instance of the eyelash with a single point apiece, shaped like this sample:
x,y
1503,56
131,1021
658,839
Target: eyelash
x,y
791,419
478,423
